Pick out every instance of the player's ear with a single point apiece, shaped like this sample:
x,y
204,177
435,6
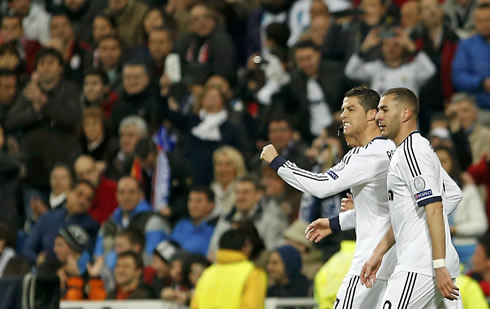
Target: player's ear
x,y
406,114
371,115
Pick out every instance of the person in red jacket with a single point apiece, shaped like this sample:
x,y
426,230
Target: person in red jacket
x,y
104,201
480,171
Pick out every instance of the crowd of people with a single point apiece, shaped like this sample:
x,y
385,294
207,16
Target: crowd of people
x,y
131,133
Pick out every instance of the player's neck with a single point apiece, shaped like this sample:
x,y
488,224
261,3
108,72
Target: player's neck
x,y
404,133
368,135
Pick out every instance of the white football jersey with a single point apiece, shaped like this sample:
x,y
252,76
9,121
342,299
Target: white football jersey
x,y
416,179
363,170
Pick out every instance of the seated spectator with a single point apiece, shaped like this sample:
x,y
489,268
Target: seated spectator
x,y
129,278
134,212
234,275
9,90
392,70
194,234
38,247
96,140
155,18
74,51
460,16
35,19
103,25
164,175
178,292
160,263
138,97
104,202
470,71
284,272
129,20
108,58
409,15
11,60
13,32
81,14
97,93
207,45
480,172
48,114
319,28
228,166
192,271
131,130
481,264
7,245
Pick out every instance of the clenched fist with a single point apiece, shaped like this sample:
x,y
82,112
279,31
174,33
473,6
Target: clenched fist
x,y
269,153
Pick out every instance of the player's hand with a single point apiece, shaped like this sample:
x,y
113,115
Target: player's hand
x,y
347,203
318,229
445,284
269,153
369,270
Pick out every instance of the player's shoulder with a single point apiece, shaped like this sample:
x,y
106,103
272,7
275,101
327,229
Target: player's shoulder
x,y
415,151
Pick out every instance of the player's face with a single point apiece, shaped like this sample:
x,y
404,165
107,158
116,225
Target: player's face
x,y
353,119
388,117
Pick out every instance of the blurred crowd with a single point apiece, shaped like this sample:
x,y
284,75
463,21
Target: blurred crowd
x,y
130,134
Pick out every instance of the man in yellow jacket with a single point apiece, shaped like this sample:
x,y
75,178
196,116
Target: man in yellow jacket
x,y
233,282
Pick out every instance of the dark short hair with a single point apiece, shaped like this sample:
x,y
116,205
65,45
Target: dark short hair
x,y
368,98
279,117
9,48
9,73
279,33
135,63
404,96
484,241
83,182
162,29
101,74
439,116
251,179
134,236
48,51
109,18
60,14
205,190
138,261
144,147
233,239
305,44
113,37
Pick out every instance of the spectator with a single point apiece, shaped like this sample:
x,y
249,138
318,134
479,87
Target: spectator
x,y
81,14
393,70
104,201
7,245
178,292
96,91
480,171
10,60
165,176
96,141
471,293
129,20
48,114
160,262
301,17
319,29
108,58
439,42
134,212
138,97
228,166
74,52
194,234
460,16
463,110
9,90
36,19
276,36
155,18
257,252
284,272
207,46
471,66
233,282
128,275
12,31
410,15
38,247
192,271
481,264
103,25
131,130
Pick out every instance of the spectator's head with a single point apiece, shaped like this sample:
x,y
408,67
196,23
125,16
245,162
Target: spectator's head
x,y
7,237
129,239
319,28
93,124
202,21
398,107
410,14
273,185
10,58
294,235
277,35
135,78
481,19
431,13
200,203
110,50
213,100
283,265
79,198
103,25
129,269
228,165
280,132
71,241
8,87
159,43
117,7
359,110
481,257
131,130
95,86
129,194
222,83
318,8
49,66
74,5
466,109
153,19
193,268
307,57
177,266
21,7
60,179
160,260
60,27
439,120
373,11
86,169
254,245
440,137
448,161
248,193
146,152
393,51
236,240
12,29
